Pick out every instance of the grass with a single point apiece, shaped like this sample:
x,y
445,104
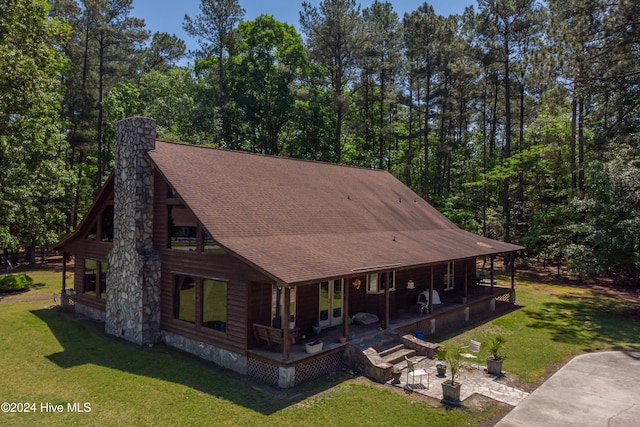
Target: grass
x,y
554,322
47,356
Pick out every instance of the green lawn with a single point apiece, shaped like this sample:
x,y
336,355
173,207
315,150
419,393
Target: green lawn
x,y
553,322
47,356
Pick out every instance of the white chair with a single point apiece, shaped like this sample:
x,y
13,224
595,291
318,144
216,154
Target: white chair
x,y
411,370
423,301
473,351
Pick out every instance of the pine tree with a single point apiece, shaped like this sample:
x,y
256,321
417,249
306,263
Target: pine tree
x,y
332,31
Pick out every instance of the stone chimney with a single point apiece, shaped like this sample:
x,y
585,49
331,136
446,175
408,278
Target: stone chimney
x,y
133,277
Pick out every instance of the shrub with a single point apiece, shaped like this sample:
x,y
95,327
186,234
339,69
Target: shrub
x,y
15,282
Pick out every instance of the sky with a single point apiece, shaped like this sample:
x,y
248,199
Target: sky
x,y
168,15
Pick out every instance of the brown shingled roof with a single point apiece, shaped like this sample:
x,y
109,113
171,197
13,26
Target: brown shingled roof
x,y
301,221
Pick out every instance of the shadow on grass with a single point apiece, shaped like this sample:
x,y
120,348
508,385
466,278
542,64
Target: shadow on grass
x,y
590,321
84,341
479,321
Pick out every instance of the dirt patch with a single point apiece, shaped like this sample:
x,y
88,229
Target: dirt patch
x,y
15,297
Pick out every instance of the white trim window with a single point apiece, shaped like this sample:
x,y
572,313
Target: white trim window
x,y
376,282
449,277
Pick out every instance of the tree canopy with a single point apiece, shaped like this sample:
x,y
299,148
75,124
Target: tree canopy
x,y
34,180
519,119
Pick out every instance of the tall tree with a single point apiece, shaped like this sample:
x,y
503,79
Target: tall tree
x,y
268,60
164,52
332,33
119,38
104,50
214,29
381,56
511,19
422,40
33,179
612,228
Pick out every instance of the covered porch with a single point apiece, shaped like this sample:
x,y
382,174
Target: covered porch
x,y
271,363
385,296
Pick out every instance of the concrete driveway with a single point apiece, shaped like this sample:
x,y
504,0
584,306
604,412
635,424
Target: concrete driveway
x,y
597,389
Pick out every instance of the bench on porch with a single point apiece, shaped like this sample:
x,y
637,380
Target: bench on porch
x,y
272,335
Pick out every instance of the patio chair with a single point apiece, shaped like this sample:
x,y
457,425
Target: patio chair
x,y
423,301
411,370
473,351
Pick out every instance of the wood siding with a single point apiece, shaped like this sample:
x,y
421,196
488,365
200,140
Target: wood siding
x,y
248,291
308,298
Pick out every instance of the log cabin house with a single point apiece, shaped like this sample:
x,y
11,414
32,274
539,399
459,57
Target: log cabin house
x,y
238,257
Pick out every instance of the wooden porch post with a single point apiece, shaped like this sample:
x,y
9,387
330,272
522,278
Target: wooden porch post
x,y
386,299
513,270
345,309
466,279
491,278
431,292
286,338
64,272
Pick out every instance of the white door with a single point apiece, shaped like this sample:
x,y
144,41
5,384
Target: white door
x,y
331,301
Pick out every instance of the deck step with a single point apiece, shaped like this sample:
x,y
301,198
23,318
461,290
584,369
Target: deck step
x,y
380,342
398,356
391,350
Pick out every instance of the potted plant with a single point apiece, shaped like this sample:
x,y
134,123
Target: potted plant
x,y
313,346
441,355
494,361
316,329
451,388
395,374
292,321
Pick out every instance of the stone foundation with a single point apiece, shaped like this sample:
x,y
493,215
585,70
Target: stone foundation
x,y
90,312
225,358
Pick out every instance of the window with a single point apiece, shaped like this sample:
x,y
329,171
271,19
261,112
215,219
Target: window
x,y
185,233
376,282
372,283
93,233
449,277
102,229
201,302
183,230
90,281
211,246
214,305
95,278
106,226
185,301
103,279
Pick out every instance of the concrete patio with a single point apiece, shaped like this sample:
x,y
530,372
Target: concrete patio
x,y
473,381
